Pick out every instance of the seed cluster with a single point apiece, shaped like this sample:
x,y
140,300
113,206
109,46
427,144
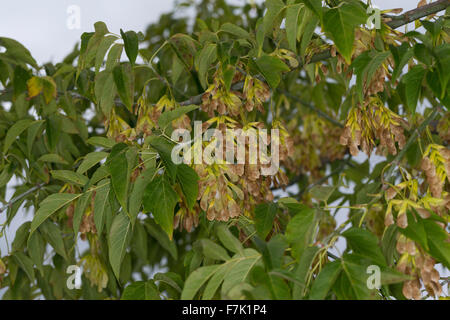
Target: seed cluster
x,y
436,166
420,266
373,121
94,271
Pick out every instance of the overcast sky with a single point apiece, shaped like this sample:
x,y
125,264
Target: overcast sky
x,y
42,25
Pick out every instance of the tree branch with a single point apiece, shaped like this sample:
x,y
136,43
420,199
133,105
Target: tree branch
x,y
415,14
396,22
310,106
23,195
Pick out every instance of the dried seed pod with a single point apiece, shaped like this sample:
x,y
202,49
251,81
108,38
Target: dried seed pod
x,y
423,213
401,246
411,247
402,221
408,289
428,264
389,219
2,267
390,193
416,295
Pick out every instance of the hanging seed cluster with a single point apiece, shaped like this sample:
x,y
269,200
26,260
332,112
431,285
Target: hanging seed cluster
x,y
417,264
94,271
436,167
367,123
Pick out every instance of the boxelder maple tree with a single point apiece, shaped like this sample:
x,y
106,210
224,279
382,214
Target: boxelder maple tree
x,y
87,146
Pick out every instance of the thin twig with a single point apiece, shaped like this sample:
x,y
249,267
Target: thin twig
x,y
311,107
396,22
415,14
324,179
20,196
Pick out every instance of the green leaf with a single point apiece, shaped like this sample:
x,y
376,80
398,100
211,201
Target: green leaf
x,y
401,54
212,250
101,205
20,238
236,31
167,117
164,148
50,205
141,290
196,279
119,169
169,279
131,44
52,234
389,242
163,239
90,160
301,272
233,272
366,244
137,193
15,131
315,6
80,208
274,251
105,91
32,132
415,230
25,263
292,14
105,44
438,242
203,62
53,158
69,176
271,17
101,142
160,199
114,56
118,240
124,80
390,276
264,215
322,193
271,68
228,240
90,43
216,280
300,229
240,271
413,84
36,250
308,27
188,179
17,52
442,53
340,23
134,291
366,64
352,282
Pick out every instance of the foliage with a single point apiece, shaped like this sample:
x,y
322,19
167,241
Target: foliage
x,y
87,143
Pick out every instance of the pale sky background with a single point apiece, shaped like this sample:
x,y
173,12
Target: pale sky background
x,y
42,27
